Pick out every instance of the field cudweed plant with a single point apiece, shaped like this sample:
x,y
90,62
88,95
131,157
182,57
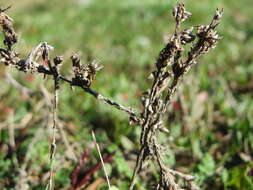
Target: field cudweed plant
x,y
172,64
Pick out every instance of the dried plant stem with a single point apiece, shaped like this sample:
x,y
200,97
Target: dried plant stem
x,y
83,76
53,143
101,159
102,98
171,65
33,67
11,130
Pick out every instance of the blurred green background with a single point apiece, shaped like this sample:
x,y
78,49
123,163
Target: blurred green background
x,y
210,119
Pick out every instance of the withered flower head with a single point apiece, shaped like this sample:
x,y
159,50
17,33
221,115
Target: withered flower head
x,y
76,62
84,73
10,37
96,66
187,36
180,14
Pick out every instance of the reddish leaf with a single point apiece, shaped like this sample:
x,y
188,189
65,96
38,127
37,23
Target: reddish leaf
x,y
79,179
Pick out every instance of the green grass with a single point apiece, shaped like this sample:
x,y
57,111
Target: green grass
x,y
212,134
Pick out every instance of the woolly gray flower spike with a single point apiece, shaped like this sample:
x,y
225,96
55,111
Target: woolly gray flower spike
x,y
171,66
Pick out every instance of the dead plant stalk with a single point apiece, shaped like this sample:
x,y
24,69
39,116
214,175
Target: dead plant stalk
x,y
170,67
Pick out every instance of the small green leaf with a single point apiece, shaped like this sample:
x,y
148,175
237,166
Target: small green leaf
x,y
207,165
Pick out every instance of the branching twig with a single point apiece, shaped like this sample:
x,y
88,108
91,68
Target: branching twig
x,y
170,67
83,75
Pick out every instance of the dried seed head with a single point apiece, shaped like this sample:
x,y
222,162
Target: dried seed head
x,y
208,36
58,60
180,14
201,29
76,62
84,73
165,55
44,50
90,70
4,18
10,37
77,68
187,36
96,66
218,15
41,50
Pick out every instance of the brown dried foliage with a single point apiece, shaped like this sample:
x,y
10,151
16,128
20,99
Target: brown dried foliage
x,y
80,178
170,67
